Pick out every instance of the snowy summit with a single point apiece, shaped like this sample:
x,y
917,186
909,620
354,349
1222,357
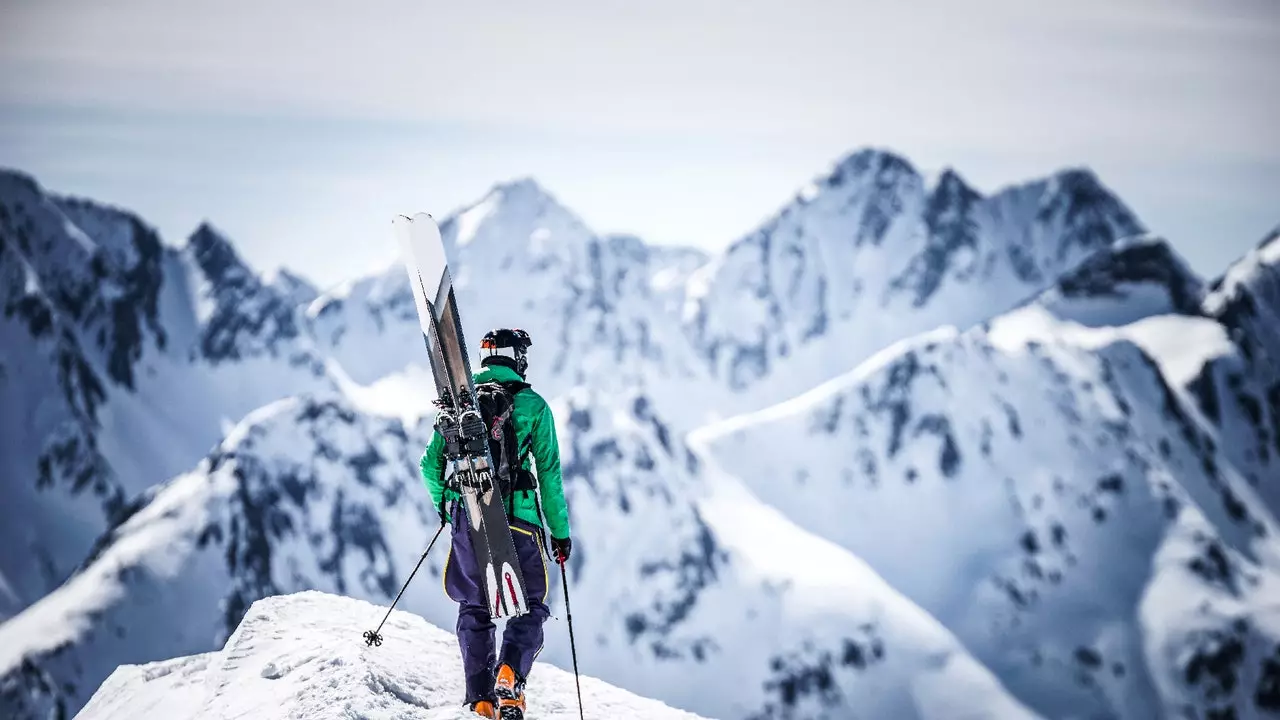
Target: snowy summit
x,y
303,656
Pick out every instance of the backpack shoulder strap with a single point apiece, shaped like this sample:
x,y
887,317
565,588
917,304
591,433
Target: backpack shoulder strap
x,y
514,386
524,479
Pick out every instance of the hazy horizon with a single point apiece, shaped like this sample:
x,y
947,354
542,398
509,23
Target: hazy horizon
x,y
300,129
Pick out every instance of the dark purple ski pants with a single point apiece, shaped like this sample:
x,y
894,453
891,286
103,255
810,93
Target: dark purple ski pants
x,y
522,637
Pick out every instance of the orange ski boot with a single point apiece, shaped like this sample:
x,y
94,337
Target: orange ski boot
x,y
510,691
484,709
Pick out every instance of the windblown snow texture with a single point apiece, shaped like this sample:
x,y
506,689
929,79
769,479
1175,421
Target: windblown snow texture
x,y
1063,508
300,655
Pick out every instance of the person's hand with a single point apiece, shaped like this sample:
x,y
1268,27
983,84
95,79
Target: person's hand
x,y
561,549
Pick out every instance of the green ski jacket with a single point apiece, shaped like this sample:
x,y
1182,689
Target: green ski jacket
x,y
536,437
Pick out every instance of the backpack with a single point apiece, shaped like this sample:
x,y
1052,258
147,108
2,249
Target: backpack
x,y
497,408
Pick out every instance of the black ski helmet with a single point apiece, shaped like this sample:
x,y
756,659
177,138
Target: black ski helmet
x,y
506,346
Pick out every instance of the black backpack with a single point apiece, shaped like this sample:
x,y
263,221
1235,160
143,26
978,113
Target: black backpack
x,y
496,403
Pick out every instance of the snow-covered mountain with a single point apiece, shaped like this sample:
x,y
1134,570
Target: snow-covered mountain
x,y
1047,489
866,255
696,596
267,438
616,306
77,316
303,494
310,494
1231,367
300,656
602,309
125,361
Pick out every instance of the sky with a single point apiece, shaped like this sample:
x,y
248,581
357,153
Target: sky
x,y
300,128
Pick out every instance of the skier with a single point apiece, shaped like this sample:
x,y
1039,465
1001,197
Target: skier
x,y
495,683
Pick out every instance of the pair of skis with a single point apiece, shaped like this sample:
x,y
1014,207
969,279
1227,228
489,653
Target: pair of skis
x,y
468,461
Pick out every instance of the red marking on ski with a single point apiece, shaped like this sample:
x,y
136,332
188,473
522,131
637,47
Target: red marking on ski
x,y
512,587
500,603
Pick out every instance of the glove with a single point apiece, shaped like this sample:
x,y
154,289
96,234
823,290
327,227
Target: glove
x,y
561,549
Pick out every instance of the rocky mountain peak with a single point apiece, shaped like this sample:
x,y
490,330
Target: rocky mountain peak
x,y
869,165
1091,216
519,209
1257,273
952,186
1145,259
1246,299
216,256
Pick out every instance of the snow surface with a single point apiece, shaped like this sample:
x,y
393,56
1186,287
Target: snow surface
x,y
1180,345
1043,492
827,581
303,656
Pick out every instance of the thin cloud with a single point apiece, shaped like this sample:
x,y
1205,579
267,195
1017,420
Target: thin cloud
x,y
713,112
981,73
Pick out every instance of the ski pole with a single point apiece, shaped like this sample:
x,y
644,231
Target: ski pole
x,y
564,583
372,637
573,649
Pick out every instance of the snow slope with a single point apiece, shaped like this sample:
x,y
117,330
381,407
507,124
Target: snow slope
x,y
1044,492
1228,362
690,599
302,655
